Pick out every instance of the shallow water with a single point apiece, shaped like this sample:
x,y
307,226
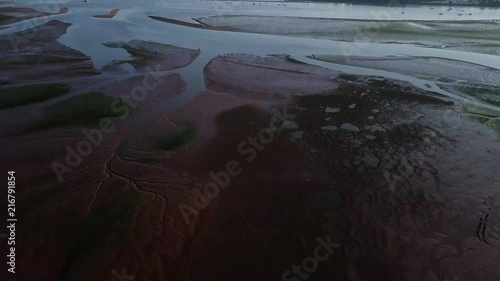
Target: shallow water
x,y
192,8
87,34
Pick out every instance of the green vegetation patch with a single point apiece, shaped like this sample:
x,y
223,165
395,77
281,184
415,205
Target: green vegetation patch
x,y
487,95
175,142
142,49
83,110
13,97
479,119
408,32
495,125
349,77
4,18
486,112
488,117
139,52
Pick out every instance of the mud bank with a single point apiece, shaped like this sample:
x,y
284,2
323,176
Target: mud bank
x,y
427,67
152,54
272,76
9,15
372,169
391,173
429,33
109,15
21,51
200,25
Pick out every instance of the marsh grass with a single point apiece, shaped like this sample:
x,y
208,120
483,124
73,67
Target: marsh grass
x,y
487,95
349,77
83,110
177,141
488,117
13,97
412,33
495,125
139,51
472,109
4,18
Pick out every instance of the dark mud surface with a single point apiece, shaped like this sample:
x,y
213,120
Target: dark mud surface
x,y
9,15
395,176
109,15
266,77
21,51
144,54
199,25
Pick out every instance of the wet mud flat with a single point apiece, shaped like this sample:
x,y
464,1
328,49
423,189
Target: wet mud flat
x,y
9,15
199,24
144,54
38,46
99,205
392,174
475,34
431,68
109,15
278,76
368,163
47,116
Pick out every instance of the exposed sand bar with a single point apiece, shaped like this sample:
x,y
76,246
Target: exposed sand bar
x,y
244,74
434,68
109,15
189,24
21,54
161,56
428,33
9,15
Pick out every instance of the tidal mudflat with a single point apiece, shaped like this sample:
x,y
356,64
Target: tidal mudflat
x,y
27,58
478,36
11,15
193,153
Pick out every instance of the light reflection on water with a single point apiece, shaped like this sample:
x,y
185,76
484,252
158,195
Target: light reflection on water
x,y
87,34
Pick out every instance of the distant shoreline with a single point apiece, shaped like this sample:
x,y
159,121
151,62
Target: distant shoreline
x,y
399,5
367,3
